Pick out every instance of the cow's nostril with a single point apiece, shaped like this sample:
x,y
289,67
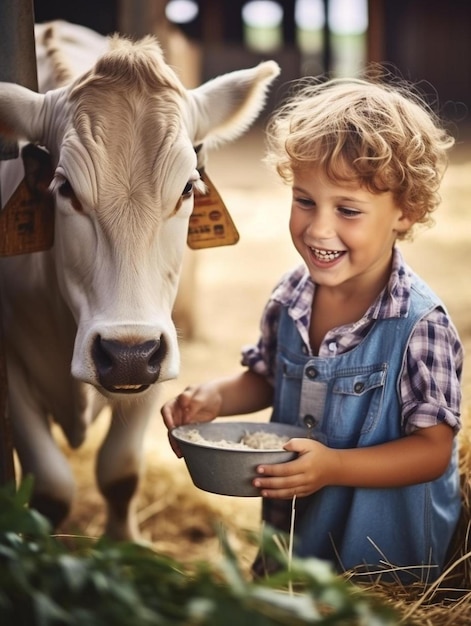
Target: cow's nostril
x,y
102,355
158,354
124,367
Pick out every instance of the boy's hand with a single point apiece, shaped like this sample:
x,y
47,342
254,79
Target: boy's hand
x,y
200,403
301,477
419,457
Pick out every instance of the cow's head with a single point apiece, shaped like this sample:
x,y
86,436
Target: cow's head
x,y
122,139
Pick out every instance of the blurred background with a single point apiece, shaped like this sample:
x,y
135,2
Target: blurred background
x,y
423,40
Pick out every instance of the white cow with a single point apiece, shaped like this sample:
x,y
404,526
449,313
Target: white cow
x,y
89,322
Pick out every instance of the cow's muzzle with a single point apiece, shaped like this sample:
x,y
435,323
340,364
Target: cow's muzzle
x,y
127,368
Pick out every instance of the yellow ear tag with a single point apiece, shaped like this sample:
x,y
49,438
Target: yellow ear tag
x,y
210,223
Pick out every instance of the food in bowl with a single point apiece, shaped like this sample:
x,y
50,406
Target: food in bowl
x,y
220,456
259,440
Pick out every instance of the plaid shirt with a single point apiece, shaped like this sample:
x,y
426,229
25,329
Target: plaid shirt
x,y
430,380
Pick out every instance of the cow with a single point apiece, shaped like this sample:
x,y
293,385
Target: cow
x,y
88,323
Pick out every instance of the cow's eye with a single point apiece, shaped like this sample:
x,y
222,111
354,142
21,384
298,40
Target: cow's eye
x,y
65,189
188,188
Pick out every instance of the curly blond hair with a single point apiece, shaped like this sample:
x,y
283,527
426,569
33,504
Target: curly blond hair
x,y
383,136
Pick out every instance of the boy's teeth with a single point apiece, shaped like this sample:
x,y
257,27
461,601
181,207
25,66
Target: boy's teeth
x,y
326,255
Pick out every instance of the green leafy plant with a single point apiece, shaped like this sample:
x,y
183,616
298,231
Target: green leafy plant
x,y
45,583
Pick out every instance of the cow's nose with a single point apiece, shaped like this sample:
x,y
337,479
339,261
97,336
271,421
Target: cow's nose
x,y
127,368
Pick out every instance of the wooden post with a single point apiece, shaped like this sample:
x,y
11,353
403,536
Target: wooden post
x,y
17,53
17,64
138,18
7,467
376,34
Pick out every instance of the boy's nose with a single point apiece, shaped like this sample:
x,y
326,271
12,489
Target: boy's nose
x,y
321,226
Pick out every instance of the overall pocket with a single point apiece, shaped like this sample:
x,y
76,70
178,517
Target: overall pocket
x,y
354,404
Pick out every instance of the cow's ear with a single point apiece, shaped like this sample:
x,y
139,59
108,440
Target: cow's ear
x,y
227,105
21,112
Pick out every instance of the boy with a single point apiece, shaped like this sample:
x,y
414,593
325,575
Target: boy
x,y
353,343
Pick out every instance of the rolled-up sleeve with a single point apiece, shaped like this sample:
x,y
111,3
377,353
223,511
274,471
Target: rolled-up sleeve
x,y
431,378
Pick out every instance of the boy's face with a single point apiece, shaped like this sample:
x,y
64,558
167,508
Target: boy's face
x,y
343,232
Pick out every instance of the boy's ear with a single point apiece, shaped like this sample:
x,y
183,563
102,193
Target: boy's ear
x,y
404,223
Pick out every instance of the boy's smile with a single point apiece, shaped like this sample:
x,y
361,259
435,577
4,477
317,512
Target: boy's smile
x,y
326,257
344,232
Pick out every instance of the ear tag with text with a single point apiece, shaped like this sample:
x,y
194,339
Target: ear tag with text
x,y
210,223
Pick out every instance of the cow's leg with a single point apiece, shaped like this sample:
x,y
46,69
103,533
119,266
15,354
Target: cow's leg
x,y
118,467
40,456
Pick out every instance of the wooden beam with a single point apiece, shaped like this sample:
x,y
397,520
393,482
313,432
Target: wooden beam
x,y
7,467
138,18
17,54
17,65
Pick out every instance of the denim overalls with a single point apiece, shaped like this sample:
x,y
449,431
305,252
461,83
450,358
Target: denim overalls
x,y
353,400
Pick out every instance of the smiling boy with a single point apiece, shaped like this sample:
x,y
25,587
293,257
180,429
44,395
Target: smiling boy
x,y
353,342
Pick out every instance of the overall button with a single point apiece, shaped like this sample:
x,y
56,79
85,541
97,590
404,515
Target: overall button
x,y
311,372
358,387
309,421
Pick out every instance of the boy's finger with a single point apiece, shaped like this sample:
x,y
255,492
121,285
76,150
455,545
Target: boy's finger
x,y
174,445
167,414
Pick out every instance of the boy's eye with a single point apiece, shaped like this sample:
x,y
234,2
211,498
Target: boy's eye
x,y
304,202
347,212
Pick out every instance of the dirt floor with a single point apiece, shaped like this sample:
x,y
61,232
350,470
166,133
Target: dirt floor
x,y
232,286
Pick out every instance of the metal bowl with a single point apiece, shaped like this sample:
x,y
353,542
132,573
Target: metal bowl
x,y
230,471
